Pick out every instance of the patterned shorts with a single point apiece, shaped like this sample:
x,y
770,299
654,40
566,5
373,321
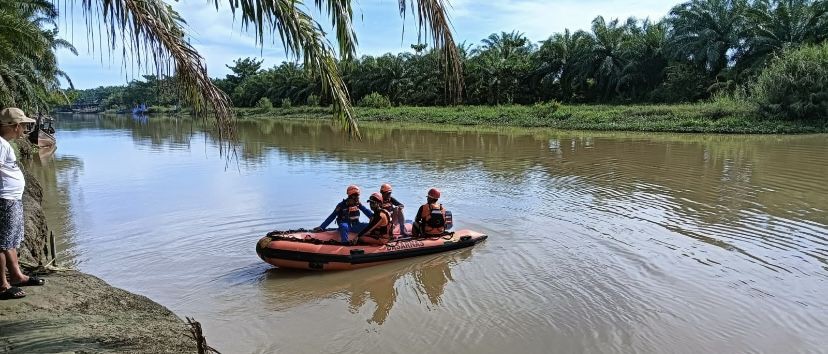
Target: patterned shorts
x,y
11,224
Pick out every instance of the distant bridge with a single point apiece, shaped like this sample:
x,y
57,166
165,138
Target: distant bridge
x,y
81,107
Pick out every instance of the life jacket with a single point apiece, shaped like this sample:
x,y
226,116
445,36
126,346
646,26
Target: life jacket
x,y
350,213
384,227
434,219
387,205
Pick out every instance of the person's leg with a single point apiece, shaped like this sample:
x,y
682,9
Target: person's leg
x,y
371,241
358,227
344,229
14,238
401,220
4,283
16,276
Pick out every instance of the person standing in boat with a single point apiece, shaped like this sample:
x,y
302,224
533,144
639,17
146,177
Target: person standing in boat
x,y
431,217
393,207
346,214
378,232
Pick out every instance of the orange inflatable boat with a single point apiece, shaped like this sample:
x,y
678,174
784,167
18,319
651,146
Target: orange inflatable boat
x,y
301,249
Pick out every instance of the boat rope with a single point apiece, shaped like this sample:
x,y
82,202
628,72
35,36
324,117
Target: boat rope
x,y
444,236
279,236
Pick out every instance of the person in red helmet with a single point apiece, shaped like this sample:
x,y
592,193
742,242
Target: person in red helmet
x,y
378,231
347,215
431,217
393,207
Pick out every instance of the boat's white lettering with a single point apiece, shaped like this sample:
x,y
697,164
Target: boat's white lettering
x,y
402,245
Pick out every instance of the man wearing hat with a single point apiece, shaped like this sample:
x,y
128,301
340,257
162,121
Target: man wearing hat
x,y
13,125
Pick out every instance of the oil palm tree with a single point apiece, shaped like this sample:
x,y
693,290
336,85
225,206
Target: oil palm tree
x,y
604,60
153,30
502,61
28,66
558,58
773,25
707,32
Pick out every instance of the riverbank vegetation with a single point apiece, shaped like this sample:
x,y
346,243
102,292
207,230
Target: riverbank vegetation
x,y
709,51
712,117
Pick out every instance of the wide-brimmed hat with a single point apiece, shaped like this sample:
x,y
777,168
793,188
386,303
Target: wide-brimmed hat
x,y
9,116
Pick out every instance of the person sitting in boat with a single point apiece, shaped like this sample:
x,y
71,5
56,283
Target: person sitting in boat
x,y
378,232
431,217
347,215
393,207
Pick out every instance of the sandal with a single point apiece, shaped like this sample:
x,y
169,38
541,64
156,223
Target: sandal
x,y
33,281
12,293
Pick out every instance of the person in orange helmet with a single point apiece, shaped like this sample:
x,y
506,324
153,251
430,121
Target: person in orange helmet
x,y
378,231
347,215
431,217
393,207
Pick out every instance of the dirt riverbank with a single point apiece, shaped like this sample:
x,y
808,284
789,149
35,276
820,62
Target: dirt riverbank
x,y
79,313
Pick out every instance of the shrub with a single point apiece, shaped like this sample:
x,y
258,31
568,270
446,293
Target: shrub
x,y
374,100
795,85
313,100
264,104
286,103
546,109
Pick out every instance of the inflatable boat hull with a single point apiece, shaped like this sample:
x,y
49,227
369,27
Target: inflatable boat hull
x,y
309,250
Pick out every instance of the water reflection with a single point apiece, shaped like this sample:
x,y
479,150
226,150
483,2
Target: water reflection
x,y
375,286
57,176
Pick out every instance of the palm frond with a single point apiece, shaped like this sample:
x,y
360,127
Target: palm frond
x,y
152,29
301,36
432,18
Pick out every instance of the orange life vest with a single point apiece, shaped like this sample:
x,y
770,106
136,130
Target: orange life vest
x,y
384,227
434,219
350,212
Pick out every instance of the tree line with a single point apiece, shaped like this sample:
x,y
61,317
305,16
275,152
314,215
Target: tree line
x,y
701,47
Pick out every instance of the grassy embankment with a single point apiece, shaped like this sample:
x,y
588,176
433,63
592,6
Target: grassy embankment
x,y
708,117
712,117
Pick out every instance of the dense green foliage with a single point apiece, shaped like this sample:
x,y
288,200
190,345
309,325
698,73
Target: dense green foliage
x,y
700,48
720,116
796,85
29,73
264,104
374,100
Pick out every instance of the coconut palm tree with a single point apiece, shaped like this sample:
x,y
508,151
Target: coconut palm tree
x,y
155,32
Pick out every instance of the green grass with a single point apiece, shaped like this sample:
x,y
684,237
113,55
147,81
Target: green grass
x,y
719,116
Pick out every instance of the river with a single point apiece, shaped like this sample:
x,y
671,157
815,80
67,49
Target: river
x,y
599,242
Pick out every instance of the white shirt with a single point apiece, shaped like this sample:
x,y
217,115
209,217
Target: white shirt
x,y
11,177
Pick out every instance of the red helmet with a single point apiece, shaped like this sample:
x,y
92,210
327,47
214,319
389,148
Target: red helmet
x,y
434,193
375,197
352,189
385,188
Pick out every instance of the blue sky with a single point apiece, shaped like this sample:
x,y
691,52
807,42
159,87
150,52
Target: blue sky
x,y
378,25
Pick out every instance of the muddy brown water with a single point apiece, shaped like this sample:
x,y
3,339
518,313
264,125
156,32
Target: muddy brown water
x,y
599,242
